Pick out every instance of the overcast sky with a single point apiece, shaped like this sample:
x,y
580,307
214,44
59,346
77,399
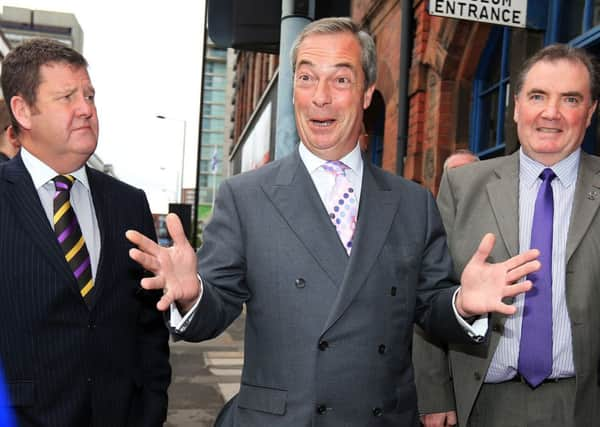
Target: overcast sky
x,y
145,60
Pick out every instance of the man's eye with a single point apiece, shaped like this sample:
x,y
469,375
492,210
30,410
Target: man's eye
x,y
342,82
572,100
536,97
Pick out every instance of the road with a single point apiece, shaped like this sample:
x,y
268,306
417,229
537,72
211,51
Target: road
x,y
205,376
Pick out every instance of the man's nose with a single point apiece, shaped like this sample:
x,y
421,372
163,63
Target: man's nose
x,y
85,106
551,111
322,95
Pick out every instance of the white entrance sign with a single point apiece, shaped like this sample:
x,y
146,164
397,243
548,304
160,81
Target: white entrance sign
x,y
502,12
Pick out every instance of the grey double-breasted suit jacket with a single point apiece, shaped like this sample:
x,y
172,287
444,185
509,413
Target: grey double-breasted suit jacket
x,y
483,197
328,337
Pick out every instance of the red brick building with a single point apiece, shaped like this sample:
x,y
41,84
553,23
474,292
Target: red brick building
x,y
459,74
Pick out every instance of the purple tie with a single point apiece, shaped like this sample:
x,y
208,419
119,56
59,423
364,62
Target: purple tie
x,y
535,351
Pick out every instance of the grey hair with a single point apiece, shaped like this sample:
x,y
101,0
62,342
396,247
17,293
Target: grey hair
x,y
556,52
336,25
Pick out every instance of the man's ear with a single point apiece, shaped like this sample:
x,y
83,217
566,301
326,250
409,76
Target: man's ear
x,y
12,137
368,95
22,111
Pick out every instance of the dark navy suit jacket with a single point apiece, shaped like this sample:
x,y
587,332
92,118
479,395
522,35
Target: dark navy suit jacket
x,y
66,364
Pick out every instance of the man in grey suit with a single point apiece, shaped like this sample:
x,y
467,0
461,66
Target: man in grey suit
x,y
329,312
491,385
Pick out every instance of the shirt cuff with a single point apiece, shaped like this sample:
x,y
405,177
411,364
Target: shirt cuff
x,y
478,329
179,322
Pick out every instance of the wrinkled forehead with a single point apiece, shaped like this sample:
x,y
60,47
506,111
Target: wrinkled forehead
x,y
554,69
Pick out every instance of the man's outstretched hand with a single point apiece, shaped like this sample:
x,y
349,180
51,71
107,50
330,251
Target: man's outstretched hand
x,y
174,268
484,285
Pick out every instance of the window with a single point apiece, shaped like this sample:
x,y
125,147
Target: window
x,y
207,151
215,67
213,138
214,95
578,23
491,96
214,81
572,21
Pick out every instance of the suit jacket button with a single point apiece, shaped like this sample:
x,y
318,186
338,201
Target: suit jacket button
x,y
381,349
323,345
378,412
300,283
477,376
321,409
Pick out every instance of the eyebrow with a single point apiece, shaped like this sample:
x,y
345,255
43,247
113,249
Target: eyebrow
x,y
338,65
569,93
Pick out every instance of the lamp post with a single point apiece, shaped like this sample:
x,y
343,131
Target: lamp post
x,y
160,116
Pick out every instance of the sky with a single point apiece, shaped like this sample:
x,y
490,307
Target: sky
x,y
145,59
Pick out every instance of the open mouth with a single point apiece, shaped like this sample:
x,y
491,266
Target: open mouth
x,y
322,123
548,130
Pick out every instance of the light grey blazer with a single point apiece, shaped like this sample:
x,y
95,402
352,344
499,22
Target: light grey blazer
x,y
483,197
328,337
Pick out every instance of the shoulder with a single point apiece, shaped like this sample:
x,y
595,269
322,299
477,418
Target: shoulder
x,y
590,162
388,180
104,182
479,173
273,172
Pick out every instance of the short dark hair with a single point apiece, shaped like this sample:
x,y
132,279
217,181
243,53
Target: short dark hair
x,y
21,68
556,52
336,25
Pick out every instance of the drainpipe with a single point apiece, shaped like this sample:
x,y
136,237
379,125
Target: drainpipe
x,y
405,56
295,15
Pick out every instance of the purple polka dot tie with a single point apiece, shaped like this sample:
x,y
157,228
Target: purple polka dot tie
x,y
535,349
68,233
341,203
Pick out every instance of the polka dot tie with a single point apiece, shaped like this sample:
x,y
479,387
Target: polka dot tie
x,y
341,203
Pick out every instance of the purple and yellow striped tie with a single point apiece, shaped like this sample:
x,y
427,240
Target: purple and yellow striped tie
x,y
69,236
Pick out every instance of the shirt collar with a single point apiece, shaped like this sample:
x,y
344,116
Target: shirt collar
x,y
565,170
313,163
41,173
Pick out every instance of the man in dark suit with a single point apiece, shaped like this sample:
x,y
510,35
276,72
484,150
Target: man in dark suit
x,y
81,342
329,311
493,385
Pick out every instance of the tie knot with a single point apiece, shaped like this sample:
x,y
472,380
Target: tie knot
x,y
63,182
335,167
547,175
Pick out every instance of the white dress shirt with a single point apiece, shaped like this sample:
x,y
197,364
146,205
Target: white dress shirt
x,y
42,176
505,360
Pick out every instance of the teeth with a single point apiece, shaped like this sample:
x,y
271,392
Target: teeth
x,y
549,130
323,122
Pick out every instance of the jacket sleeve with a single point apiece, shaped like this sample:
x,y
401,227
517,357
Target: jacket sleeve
x,y
430,358
222,268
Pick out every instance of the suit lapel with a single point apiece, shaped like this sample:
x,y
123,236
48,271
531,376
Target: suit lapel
x,y
586,201
294,195
23,198
503,195
99,197
378,206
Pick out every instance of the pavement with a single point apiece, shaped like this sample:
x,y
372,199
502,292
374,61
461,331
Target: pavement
x,y
205,376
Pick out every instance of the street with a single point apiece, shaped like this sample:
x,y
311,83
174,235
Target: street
x,y
205,376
